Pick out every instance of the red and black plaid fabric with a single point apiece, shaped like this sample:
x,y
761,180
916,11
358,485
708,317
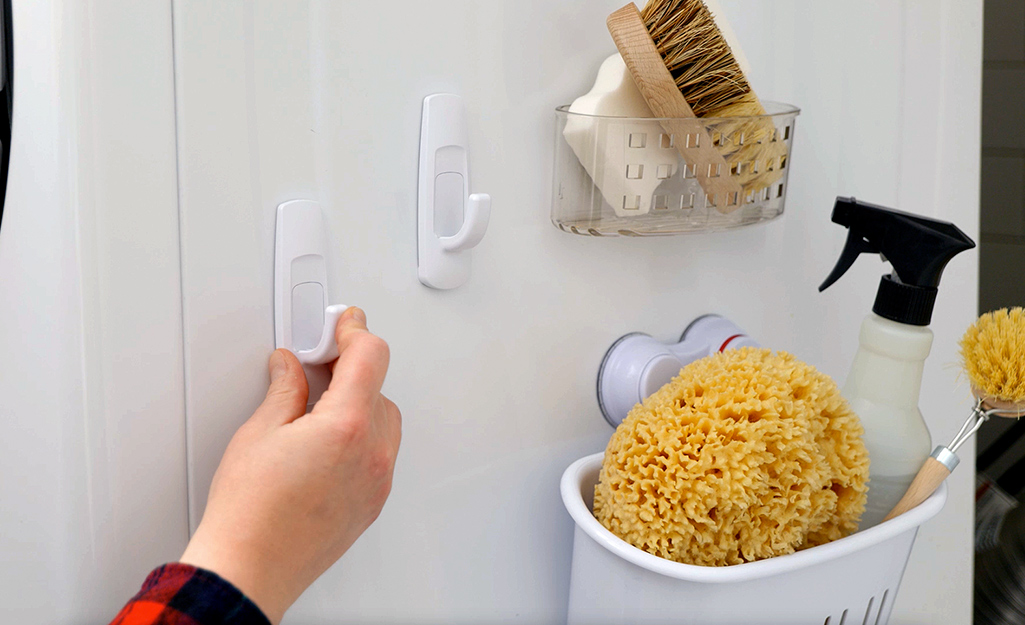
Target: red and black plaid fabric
x,y
179,594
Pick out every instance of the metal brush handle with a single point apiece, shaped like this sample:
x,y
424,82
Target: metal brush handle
x,y
942,461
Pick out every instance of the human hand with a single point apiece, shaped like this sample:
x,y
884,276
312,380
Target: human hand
x,y
294,491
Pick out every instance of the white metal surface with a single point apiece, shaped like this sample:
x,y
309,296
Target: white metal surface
x,y
496,378
92,469
280,100
852,580
451,221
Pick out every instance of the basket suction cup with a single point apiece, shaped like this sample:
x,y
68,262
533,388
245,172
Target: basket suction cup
x,y
637,365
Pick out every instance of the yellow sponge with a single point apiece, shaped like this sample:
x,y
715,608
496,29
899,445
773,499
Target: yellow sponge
x,y
993,354
744,455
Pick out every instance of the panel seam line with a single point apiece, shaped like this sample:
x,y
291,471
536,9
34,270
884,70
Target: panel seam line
x,y
181,276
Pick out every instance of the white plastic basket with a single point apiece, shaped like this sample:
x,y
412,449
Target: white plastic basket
x,y
852,581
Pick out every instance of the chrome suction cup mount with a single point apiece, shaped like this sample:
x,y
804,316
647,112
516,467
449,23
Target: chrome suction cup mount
x,y
637,365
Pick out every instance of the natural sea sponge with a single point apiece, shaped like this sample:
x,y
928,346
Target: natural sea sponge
x,y
993,353
745,455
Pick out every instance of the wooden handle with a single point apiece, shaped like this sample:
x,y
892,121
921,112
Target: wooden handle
x,y
929,478
664,99
1007,408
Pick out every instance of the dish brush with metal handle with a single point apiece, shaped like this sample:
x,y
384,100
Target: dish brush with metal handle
x,y
993,355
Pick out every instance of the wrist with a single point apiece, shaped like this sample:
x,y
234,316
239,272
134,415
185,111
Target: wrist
x,y
243,571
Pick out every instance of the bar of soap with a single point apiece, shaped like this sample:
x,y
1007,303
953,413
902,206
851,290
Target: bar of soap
x,y
746,454
607,147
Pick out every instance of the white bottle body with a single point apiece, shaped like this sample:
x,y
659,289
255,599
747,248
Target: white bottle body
x,y
883,388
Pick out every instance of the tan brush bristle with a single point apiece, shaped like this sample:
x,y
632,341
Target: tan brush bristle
x,y
698,57
700,61
993,354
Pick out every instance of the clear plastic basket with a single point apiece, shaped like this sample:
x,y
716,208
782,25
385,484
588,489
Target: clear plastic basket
x,y
638,176
851,580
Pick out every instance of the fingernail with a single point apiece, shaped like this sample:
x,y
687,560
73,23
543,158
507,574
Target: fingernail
x,y
359,315
278,368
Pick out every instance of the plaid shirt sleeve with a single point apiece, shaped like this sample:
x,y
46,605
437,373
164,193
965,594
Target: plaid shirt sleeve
x,y
179,594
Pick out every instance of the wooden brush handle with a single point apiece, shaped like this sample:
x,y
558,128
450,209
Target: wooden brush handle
x,y
664,99
929,478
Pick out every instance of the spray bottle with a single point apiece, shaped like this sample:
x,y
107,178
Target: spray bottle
x,y
886,375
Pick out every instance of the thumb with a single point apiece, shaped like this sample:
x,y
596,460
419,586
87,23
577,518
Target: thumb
x,y
286,398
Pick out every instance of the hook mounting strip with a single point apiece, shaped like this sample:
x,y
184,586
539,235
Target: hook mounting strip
x,y
303,322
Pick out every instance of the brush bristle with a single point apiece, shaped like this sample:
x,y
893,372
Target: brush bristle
x,y
699,58
993,354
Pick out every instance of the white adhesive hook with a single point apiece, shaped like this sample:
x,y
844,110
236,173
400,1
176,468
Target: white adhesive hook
x,y
327,349
451,221
475,224
303,322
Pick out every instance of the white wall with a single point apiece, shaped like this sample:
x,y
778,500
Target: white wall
x,y
496,379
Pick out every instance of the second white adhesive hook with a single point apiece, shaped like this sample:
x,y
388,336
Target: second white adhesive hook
x,y
451,221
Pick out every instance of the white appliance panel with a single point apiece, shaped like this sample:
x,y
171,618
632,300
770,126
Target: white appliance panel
x,y
496,378
152,143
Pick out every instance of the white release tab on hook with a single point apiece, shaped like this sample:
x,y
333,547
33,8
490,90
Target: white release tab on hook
x,y
303,322
451,221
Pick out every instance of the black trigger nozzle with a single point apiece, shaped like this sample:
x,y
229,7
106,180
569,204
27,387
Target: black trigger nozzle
x,y
917,247
856,245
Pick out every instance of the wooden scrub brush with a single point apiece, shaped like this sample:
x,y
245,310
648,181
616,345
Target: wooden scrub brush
x,y
684,69
993,356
